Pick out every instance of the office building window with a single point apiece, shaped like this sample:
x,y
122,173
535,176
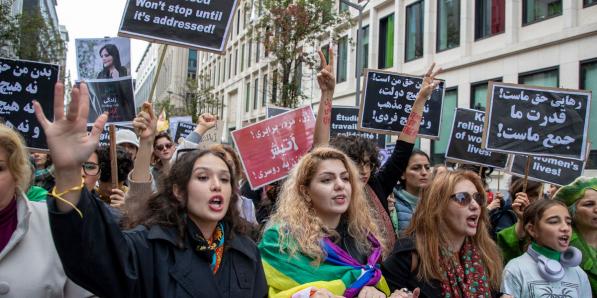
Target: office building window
x,y
255,90
264,91
588,81
479,94
364,53
342,64
326,52
448,24
257,51
250,54
247,96
587,3
546,78
275,87
414,31
386,42
237,21
539,10
242,58
235,61
490,17
439,147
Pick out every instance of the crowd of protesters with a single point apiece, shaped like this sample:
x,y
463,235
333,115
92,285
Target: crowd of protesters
x,y
182,222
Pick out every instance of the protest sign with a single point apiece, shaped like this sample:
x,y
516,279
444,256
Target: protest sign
x,y
554,170
269,149
183,129
21,82
388,100
464,145
173,121
537,121
344,122
201,24
103,58
104,140
212,136
114,97
272,111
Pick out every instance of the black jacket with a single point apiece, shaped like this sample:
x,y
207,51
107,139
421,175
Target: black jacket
x,y
396,269
146,262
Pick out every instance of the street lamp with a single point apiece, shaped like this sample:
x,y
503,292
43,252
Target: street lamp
x,y
358,68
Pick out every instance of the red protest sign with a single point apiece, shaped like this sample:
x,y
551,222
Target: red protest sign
x,y
270,148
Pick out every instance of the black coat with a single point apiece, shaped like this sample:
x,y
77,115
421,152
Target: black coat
x,y
396,269
144,262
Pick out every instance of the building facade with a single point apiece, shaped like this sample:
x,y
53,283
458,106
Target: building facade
x,y
536,42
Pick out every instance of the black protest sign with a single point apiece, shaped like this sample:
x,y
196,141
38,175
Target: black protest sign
x,y
183,129
104,140
344,122
554,170
537,121
388,100
21,82
201,24
272,111
114,97
464,145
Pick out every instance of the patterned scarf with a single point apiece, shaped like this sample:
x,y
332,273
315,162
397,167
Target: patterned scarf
x,y
370,272
464,278
383,221
213,247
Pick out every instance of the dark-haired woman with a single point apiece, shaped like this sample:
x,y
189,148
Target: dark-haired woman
x,y
113,68
550,266
189,243
415,176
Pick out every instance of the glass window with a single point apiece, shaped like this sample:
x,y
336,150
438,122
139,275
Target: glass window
x,y
386,42
264,92
235,61
364,48
326,52
250,57
588,81
587,3
247,96
342,64
538,10
342,6
546,78
414,31
242,58
448,24
275,87
439,147
479,94
490,17
237,21
192,65
255,90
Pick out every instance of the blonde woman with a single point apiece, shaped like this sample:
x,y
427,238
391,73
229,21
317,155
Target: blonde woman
x,y
448,252
322,240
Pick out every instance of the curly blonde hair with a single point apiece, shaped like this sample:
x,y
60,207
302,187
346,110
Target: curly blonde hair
x,y
17,157
296,217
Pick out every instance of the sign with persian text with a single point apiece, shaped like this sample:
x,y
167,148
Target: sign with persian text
x,y
200,24
388,99
537,121
269,149
21,82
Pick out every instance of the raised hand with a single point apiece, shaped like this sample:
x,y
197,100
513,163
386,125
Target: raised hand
x,y
207,121
429,82
146,122
326,78
67,137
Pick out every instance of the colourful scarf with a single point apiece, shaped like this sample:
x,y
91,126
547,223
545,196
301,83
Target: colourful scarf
x,y
213,247
466,277
383,221
339,273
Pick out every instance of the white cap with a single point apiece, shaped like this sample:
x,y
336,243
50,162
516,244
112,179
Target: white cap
x,y
126,136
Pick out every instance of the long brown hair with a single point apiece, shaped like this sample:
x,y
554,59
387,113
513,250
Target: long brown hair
x,y
163,208
298,219
429,216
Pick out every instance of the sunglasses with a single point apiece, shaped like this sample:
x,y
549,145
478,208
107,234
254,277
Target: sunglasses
x,y
465,198
90,168
161,147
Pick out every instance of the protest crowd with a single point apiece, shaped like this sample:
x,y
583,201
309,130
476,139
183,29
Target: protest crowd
x,y
291,207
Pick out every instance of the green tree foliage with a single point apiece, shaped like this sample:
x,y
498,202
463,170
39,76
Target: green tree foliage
x,y
9,33
199,98
286,29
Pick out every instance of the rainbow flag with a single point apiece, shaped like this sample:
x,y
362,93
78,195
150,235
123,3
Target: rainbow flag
x,y
338,273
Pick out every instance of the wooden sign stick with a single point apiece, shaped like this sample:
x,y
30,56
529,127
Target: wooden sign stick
x,y
526,174
113,157
157,73
499,178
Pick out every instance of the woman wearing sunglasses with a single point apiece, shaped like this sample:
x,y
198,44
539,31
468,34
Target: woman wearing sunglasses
x,y
163,150
550,266
448,251
189,243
